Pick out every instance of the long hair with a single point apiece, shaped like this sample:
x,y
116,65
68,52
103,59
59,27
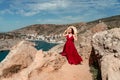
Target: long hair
x,y
72,30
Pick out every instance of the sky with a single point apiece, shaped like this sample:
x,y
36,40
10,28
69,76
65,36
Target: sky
x,y
15,14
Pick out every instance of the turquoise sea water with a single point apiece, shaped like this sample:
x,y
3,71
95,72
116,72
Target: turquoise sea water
x,y
45,46
3,54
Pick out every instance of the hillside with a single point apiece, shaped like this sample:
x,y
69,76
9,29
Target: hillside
x,y
47,29
112,22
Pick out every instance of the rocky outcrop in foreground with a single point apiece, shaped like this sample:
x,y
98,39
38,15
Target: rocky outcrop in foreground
x,y
24,62
85,39
107,47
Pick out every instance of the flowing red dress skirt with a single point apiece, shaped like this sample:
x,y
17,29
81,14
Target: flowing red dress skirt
x,y
70,51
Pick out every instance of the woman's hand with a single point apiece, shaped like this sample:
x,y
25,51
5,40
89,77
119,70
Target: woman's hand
x,y
65,33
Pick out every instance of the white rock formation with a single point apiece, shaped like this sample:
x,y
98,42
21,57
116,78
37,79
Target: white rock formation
x,y
107,45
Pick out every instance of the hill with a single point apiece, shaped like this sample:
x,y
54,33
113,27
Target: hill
x,y
112,22
47,29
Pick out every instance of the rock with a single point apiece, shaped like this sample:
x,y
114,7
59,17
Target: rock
x,y
25,59
20,56
106,45
58,48
99,27
85,46
85,39
6,44
24,62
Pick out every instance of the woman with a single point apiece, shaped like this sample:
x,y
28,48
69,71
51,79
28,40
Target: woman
x,y
69,49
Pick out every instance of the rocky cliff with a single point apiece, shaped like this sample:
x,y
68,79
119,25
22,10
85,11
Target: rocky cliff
x,y
24,62
106,46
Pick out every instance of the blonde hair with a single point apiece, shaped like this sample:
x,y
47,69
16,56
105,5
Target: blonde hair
x,y
74,29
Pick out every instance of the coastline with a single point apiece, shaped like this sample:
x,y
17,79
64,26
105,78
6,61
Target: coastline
x,y
45,46
38,44
7,44
56,42
3,54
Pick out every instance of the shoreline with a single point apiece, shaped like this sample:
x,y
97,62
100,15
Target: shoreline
x,y
7,46
4,50
56,42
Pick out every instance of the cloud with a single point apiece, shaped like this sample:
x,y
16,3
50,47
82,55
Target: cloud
x,y
77,6
98,4
84,10
49,5
33,7
24,13
30,8
89,16
6,11
61,20
60,7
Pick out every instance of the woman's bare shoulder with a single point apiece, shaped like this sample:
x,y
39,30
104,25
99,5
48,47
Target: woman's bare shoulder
x,y
74,35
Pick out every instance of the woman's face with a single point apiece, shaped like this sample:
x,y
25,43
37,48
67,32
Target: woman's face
x,y
69,30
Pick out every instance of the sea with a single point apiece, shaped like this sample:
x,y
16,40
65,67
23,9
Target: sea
x,y
45,46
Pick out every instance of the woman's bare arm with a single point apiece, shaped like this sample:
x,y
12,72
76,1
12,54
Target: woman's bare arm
x,y
65,33
75,37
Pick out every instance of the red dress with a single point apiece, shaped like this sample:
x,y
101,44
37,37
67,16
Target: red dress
x,y
70,51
